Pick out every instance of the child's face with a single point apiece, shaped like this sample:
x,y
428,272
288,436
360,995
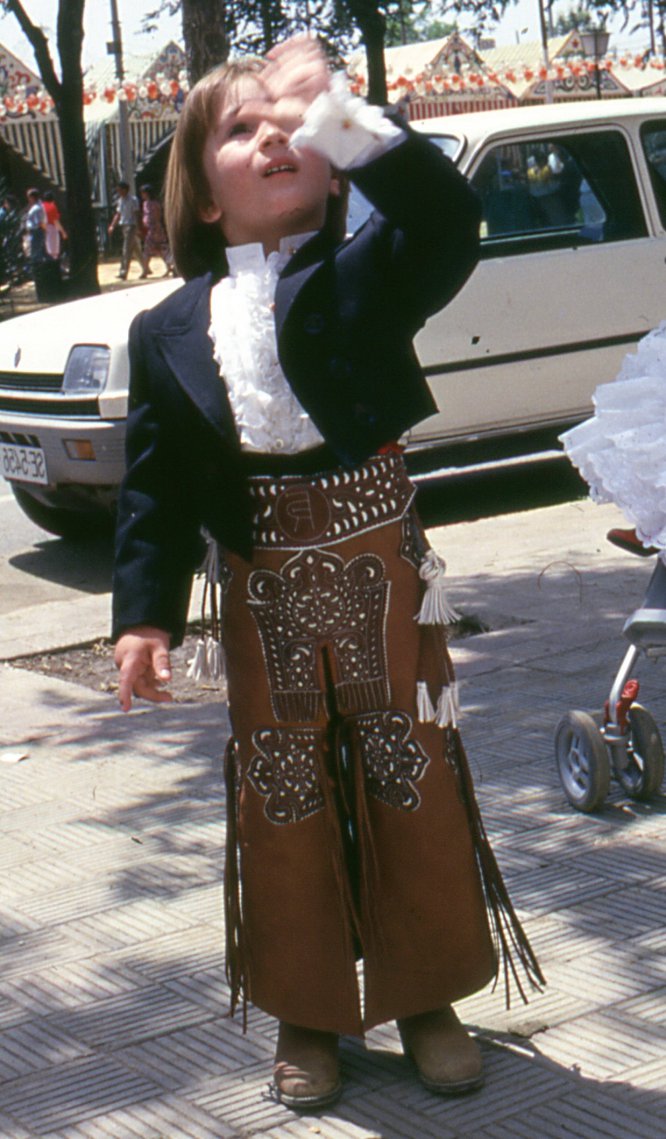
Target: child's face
x,y
260,189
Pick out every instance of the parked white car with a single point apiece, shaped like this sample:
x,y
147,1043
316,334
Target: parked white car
x,y
572,274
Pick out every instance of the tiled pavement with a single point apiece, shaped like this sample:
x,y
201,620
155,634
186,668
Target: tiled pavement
x,y
112,1000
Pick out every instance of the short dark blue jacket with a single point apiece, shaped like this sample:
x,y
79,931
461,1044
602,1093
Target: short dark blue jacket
x,y
346,316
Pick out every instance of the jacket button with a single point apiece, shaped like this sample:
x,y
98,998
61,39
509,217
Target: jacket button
x,y
339,368
314,323
365,415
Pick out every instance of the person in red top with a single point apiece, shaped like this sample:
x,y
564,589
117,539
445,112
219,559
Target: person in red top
x,y
55,231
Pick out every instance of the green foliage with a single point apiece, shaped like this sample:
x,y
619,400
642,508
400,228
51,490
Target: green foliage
x,y
575,20
414,21
13,267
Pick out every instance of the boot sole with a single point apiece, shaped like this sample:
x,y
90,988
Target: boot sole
x,y
460,1087
309,1103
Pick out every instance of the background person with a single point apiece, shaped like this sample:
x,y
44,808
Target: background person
x,y
127,216
155,240
35,227
55,231
34,224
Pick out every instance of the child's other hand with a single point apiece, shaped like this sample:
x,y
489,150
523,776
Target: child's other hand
x,y
142,656
296,72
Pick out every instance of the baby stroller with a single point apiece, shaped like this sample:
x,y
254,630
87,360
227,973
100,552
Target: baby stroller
x,y
623,742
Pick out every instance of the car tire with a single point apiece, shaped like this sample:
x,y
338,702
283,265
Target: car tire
x,y
57,520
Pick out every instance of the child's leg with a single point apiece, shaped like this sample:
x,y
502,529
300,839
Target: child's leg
x,y
297,936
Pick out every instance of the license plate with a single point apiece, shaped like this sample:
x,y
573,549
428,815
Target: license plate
x,y
23,464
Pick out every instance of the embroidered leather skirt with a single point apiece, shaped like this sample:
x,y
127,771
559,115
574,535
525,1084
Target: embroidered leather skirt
x,y
352,826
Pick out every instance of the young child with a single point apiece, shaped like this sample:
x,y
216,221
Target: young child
x,y
266,398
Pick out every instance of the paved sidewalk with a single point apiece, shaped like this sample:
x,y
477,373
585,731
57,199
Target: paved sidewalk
x,y
112,999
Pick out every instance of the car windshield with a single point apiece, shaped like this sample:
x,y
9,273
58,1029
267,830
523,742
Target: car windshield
x,y
359,208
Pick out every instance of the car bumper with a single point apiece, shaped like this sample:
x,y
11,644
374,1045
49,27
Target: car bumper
x,y
80,453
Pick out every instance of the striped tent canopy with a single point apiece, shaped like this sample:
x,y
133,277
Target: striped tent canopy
x,y
34,133
25,125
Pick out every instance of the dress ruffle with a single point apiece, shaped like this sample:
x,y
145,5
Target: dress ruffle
x,y
621,450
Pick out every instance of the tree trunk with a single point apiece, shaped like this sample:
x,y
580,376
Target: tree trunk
x,y
69,104
67,94
372,24
205,35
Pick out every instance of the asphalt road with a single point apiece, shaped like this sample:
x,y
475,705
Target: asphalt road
x,y
37,568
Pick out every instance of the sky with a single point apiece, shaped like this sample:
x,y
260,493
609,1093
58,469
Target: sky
x,y
521,23
96,26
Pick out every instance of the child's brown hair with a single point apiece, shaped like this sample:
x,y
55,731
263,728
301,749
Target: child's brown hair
x,y
198,246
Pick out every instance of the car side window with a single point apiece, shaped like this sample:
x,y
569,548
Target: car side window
x,y
558,192
653,137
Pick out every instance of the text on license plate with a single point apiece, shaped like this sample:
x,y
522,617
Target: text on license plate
x,y
25,464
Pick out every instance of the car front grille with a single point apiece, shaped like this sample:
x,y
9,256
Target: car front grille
x,y
28,393
76,408
30,382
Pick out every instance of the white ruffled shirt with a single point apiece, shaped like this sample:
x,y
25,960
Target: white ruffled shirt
x,y
268,417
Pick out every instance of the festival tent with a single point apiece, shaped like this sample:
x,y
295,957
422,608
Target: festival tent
x,y
153,89
448,76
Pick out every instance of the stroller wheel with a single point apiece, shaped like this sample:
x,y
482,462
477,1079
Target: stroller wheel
x,y
642,772
582,761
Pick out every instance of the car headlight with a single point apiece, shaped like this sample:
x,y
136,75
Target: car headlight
x,y
87,369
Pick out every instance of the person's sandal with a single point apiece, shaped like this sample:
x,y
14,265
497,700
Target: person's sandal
x,y
306,1074
628,540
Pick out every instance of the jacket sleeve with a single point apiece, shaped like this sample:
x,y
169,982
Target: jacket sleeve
x,y
158,543
427,219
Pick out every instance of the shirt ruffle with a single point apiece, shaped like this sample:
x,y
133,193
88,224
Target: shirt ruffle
x,y
268,416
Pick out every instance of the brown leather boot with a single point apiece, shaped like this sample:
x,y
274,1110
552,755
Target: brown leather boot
x,y
448,1061
306,1072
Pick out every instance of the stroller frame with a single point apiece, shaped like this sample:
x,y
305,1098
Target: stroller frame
x,y
623,742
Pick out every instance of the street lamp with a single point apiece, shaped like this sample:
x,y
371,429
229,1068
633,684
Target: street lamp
x,y
595,43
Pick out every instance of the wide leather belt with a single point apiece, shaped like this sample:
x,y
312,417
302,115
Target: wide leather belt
x,y
292,511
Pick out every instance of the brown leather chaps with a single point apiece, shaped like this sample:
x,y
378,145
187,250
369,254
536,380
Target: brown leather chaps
x,y
353,833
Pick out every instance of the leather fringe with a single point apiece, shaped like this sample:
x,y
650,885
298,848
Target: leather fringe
x,y
512,946
336,844
235,956
208,663
370,885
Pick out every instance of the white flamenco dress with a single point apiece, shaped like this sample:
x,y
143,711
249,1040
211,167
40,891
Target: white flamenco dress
x,y
621,450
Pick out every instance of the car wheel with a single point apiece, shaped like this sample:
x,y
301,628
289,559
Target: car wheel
x,y
58,520
582,761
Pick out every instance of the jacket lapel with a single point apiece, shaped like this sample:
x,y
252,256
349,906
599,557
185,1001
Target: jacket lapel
x,y
185,344
188,351
300,268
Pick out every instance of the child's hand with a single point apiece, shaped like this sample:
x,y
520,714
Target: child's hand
x,y
295,73
142,656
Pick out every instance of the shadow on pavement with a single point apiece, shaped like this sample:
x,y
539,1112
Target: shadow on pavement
x,y
84,564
